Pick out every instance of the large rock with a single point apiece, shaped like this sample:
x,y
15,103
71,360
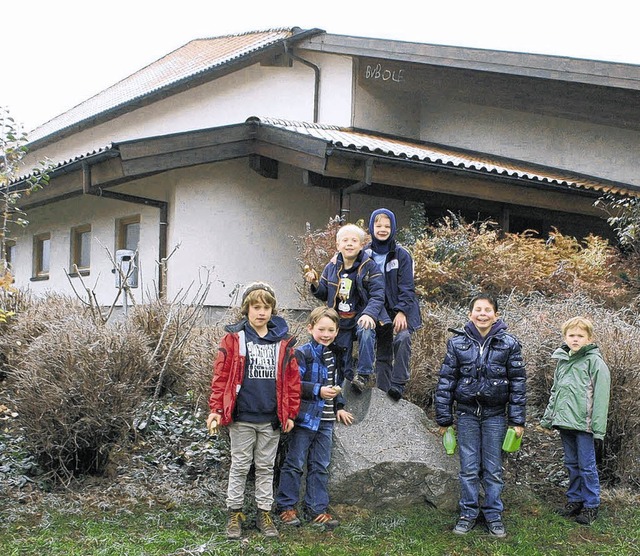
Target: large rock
x,y
390,457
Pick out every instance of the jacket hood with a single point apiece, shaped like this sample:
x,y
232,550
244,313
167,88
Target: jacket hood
x,y
471,330
377,245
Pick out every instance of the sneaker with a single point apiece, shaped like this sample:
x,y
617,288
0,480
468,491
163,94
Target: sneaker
x,y
290,517
358,383
234,524
496,528
587,516
394,394
570,509
464,525
265,524
325,520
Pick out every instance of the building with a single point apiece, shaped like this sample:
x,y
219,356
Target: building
x,y
215,156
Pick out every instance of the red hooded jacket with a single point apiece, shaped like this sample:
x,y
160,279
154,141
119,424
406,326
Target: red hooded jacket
x,y
228,373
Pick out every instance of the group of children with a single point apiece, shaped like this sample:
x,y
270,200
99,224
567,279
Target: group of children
x,y
262,386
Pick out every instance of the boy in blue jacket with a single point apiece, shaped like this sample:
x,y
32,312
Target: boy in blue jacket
x,y
353,285
393,351
310,442
483,376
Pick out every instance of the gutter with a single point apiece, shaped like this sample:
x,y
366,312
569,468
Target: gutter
x,y
316,70
163,206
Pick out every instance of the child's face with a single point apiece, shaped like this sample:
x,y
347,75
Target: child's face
x,y
576,338
259,315
324,331
382,227
350,245
483,315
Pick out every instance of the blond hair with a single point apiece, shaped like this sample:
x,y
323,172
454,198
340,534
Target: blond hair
x,y
351,228
578,322
321,312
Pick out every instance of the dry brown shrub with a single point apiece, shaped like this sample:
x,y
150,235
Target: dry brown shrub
x,y
455,258
77,386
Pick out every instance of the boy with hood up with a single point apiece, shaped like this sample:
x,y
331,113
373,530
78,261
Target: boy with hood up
x,y
393,350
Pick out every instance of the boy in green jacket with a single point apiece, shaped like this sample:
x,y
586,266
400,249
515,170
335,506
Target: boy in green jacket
x,y
578,408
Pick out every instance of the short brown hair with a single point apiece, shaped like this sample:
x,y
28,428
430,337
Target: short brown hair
x,y
258,292
578,322
321,312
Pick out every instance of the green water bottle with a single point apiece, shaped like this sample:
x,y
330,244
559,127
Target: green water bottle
x,y
511,441
449,441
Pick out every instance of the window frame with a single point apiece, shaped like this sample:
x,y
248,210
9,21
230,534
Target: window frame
x,y
76,250
38,271
121,231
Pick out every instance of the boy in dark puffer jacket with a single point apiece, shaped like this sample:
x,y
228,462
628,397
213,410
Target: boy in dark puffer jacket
x,y
484,374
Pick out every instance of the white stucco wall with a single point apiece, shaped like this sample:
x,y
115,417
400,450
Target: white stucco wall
x,y
277,92
58,219
597,150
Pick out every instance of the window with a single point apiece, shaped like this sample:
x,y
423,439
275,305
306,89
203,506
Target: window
x,y
10,253
81,249
128,233
41,254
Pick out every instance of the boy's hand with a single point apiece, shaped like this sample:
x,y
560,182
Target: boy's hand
x,y
344,416
365,321
310,275
213,417
328,392
288,426
519,431
400,323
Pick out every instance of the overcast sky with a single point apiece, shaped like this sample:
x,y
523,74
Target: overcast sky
x,y
57,53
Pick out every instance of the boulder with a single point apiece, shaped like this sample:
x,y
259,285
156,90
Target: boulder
x,y
391,456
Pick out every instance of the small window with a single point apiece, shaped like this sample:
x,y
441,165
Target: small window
x,y
128,233
10,253
81,249
41,256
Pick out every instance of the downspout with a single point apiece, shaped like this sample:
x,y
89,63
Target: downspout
x,y
316,70
163,206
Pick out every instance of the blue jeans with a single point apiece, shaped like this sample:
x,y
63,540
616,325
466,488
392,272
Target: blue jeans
x,y
480,445
314,449
580,461
366,351
392,357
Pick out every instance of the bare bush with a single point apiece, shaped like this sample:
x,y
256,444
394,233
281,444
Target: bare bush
x,y
77,386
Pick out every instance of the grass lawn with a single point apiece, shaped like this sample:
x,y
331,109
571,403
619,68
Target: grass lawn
x,y
533,529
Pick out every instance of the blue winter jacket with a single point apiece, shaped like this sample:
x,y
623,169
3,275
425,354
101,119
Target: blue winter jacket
x,y
313,375
485,379
369,284
400,293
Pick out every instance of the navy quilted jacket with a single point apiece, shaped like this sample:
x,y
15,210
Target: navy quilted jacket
x,y
486,379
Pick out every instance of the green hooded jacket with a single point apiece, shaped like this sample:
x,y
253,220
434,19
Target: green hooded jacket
x,y
580,393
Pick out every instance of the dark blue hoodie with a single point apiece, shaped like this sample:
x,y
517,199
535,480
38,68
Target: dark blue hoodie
x,y
257,401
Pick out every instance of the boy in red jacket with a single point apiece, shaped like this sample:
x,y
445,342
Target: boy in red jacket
x,y
255,392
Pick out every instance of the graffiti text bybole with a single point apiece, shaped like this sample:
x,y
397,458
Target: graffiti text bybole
x,y
378,72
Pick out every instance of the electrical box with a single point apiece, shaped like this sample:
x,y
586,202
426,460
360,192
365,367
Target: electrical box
x,y
126,268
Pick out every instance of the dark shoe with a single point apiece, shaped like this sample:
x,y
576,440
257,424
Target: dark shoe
x,y
394,394
358,383
234,524
290,517
265,524
570,509
325,520
464,525
496,528
587,516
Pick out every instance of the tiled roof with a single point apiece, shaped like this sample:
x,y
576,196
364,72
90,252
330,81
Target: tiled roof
x,y
370,142
188,61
